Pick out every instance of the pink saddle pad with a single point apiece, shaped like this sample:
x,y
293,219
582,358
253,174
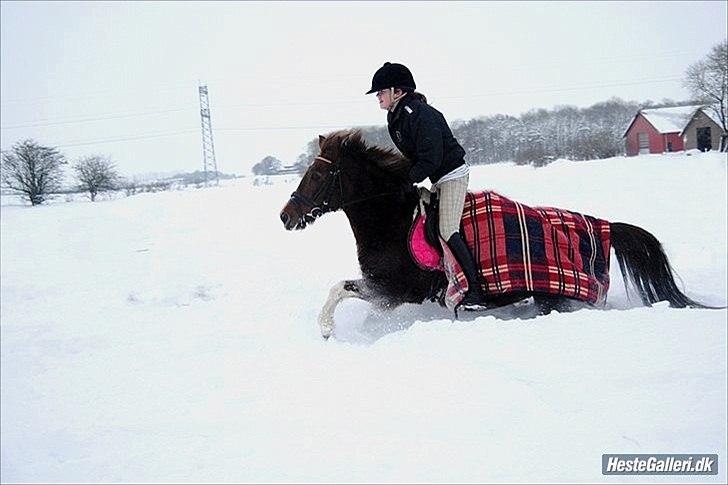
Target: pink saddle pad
x,y
423,253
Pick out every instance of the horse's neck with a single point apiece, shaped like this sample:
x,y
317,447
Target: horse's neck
x,y
381,221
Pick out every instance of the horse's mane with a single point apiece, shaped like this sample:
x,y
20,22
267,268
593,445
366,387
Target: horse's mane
x,y
387,159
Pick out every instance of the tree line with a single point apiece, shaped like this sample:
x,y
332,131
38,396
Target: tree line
x,y
536,137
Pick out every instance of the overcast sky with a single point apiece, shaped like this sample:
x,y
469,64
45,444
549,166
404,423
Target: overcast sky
x,y
121,78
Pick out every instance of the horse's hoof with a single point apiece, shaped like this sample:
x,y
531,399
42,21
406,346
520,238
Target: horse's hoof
x,y
327,326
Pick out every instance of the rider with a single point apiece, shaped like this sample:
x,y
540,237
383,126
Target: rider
x,y
421,133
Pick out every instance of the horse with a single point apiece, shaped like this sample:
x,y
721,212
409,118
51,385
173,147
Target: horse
x,y
369,184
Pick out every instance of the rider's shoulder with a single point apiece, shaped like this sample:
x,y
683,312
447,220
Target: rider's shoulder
x,y
413,106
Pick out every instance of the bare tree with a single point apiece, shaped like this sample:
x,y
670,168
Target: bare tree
x,y
32,169
96,174
707,79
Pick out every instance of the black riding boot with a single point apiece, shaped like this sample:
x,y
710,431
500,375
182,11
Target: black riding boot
x,y
474,298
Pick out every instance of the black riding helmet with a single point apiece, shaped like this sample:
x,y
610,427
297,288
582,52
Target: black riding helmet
x,y
392,75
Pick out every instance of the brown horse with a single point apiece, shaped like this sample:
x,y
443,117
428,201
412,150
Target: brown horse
x,y
369,185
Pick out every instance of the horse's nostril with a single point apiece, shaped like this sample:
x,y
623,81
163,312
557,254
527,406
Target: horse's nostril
x,y
284,218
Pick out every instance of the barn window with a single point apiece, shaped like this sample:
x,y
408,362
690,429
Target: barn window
x,y
644,142
669,146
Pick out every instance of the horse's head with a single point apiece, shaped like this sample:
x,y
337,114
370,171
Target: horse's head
x,y
346,172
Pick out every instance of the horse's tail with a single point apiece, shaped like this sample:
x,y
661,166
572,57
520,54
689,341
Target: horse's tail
x,y
644,263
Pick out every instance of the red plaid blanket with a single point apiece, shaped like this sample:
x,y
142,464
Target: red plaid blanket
x,y
535,249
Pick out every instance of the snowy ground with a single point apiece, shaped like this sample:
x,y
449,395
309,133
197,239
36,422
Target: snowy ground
x,y
172,337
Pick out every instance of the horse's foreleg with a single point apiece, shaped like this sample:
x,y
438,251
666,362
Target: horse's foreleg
x,y
340,291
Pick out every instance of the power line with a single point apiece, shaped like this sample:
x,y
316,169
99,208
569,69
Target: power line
x,y
185,85
343,101
573,88
599,60
166,87
275,128
88,95
129,138
101,141
65,121
103,117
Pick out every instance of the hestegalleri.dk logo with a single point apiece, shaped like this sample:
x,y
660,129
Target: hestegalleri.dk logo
x,y
660,464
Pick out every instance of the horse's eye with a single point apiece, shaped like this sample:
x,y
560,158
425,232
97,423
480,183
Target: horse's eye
x,y
315,176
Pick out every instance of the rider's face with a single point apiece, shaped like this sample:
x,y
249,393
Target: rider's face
x,y
385,98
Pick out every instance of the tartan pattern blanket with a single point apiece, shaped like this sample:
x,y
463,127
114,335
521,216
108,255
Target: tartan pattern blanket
x,y
535,249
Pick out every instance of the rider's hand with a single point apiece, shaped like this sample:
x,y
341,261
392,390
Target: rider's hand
x,y
424,194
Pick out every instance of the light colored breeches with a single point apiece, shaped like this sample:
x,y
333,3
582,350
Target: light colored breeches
x,y
452,199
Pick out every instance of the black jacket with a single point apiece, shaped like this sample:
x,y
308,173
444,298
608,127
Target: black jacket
x,y
421,133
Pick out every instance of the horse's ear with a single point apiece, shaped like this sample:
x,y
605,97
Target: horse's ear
x,y
322,139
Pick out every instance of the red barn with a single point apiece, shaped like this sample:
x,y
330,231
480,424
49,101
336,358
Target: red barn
x,y
657,130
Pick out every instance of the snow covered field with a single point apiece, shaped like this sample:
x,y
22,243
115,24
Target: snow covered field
x,y
172,337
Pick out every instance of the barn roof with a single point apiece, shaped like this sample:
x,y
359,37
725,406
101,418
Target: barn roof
x,y
707,112
712,115
670,120
666,120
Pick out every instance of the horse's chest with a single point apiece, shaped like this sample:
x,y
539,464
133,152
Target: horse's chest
x,y
384,266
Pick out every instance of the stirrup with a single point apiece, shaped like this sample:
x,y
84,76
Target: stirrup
x,y
473,307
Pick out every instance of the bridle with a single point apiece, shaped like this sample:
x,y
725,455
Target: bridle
x,y
328,190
